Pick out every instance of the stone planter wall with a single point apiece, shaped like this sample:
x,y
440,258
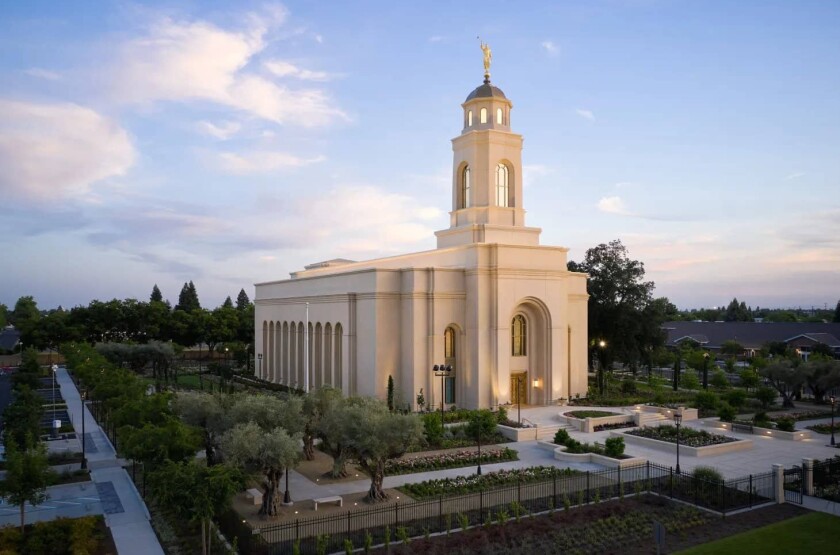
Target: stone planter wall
x,y
687,413
667,446
588,424
518,434
561,455
798,435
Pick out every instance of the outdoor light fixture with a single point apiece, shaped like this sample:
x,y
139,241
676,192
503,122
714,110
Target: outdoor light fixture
x,y
442,371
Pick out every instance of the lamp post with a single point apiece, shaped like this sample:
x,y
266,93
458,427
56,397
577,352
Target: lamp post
x,y
705,370
601,377
833,400
287,498
259,358
677,422
54,369
84,441
442,371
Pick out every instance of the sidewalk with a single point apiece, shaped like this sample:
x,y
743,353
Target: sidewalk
x,y
125,513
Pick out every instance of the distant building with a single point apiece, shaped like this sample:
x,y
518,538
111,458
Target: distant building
x,y
9,339
754,335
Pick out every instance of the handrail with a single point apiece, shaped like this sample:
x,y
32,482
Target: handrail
x,y
532,424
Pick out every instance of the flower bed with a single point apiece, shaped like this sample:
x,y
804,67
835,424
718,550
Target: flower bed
x,y
688,436
459,485
615,426
801,415
825,428
447,460
590,413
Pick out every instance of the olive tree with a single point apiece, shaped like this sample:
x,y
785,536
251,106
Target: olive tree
x,y
334,430
374,435
207,413
316,404
269,452
786,378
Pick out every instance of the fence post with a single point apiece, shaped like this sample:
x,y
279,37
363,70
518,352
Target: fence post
x,y
554,493
779,482
620,485
481,506
397,513
348,524
440,513
671,483
647,478
297,529
519,490
587,487
723,501
808,476
751,491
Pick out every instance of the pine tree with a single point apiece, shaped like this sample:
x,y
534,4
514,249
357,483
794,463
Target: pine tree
x,y
228,303
157,296
390,392
242,300
837,313
188,298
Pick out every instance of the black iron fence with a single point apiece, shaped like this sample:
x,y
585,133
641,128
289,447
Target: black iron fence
x,y
443,514
827,479
794,484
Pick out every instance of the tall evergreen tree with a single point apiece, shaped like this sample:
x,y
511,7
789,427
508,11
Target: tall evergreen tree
x,y
242,300
228,302
188,298
156,296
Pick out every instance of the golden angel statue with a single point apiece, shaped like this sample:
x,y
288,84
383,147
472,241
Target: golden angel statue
x,y
488,57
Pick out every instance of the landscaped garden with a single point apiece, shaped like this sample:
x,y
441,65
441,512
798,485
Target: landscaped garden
x,y
687,436
63,536
615,426
443,461
445,487
613,447
590,414
825,428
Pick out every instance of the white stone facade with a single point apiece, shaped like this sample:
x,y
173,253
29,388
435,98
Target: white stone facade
x,y
455,305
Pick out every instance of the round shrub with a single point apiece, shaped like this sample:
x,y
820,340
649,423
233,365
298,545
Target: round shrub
x,y
614,447
708,473
786,424
719,380
726,412
706,400
736,398
689,381
766,396
628,386
561,437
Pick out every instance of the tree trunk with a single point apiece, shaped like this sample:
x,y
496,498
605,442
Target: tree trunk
x,y
22,520
377,475
308,445
272,498
203,539
339,469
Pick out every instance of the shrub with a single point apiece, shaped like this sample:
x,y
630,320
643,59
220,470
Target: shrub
x,y
574,446
501,415
707,473
726,412
561,437
706,400
737,398
614,447
83,535
433,428
628,386
719,380
766,396
689,381
785,424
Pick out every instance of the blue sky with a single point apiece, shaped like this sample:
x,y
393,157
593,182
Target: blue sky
x,y
232,143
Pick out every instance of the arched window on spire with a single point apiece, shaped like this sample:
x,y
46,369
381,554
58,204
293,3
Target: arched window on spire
x,y
502,185
466,191
499,117
469,118
518,336
483,115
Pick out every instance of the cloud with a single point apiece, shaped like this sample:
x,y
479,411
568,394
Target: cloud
x,y
533,172
796,175
262,162
49,152
550,47
319,39
435,38
187,61
43,73
280,68
613,205
224,131
585,114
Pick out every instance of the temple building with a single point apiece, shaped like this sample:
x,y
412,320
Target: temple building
x,y
490,302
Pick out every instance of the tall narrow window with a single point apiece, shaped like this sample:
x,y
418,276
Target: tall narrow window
x,y
499,118
449,352
469,118
484,115
449,344
465,188
518,336
502,179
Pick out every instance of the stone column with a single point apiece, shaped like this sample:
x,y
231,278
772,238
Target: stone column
x,y
808,476
779,474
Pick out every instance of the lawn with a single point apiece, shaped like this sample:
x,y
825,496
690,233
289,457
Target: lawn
x,y
811,533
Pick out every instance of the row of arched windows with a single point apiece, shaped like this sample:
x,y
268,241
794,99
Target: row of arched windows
x,y
482,116
502,186
283,360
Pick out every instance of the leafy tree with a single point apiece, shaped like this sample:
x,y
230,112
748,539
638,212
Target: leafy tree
x,y
481,424
27,475
766,396
821,349
731,347
786,378
689,381
156,296
335,429
836,318
195,492
155,444
22,418
719,380
268,411
776,348
618,296
4,315
749,378
25,318
242,300
207,413
375,435
223,325
677,368
821,375
269,452
316,404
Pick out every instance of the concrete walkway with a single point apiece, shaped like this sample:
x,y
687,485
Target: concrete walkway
x,y
65,501
125,513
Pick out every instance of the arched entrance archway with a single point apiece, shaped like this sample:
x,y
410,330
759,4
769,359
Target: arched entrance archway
x,y
530,353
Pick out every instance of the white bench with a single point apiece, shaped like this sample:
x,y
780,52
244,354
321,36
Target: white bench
x,y
333,499
255,495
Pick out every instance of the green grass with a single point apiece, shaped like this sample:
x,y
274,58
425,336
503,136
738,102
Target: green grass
x,y
811,533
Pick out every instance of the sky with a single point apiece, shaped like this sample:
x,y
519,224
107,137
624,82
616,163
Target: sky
x,y
231,143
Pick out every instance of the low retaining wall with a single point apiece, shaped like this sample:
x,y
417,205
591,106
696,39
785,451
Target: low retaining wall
x,y
709,451
518,434
687,413
561,455
588,424
798,435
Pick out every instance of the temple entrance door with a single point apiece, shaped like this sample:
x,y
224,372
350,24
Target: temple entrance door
x,y
519,388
